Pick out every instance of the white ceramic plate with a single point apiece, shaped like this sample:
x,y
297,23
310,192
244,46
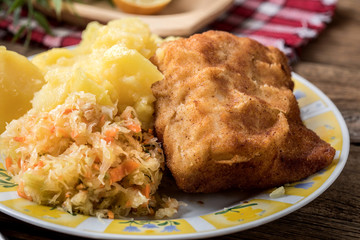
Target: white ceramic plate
x,y
206,215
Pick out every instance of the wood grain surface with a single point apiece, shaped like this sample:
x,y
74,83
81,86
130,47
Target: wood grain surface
x,y
178,18
332,63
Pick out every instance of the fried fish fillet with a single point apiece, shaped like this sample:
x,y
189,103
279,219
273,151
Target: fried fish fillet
x,y
227,116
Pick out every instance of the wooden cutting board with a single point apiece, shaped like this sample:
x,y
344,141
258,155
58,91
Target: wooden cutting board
x,y
179,18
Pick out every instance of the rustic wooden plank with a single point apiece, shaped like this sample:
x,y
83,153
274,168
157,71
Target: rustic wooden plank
x,y
16,229
341,85
32,50
338,44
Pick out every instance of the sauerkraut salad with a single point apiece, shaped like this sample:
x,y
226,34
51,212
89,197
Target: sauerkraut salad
x,y
87,158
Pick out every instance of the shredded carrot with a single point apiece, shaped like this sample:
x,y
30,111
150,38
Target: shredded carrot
x,y
39,164
130,166
102,120
8,162
119,172
21,192
96,166
111,132
19,139
19,163
150,131
146,191
116,174
67,195
110,214
147,141
134,127
52,129
24,166
62,132
68,110
108,139
74,134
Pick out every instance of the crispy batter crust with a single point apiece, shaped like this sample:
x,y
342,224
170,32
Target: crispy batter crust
x,y
227,116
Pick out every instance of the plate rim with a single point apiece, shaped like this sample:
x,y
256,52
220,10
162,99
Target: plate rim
x,y
216,232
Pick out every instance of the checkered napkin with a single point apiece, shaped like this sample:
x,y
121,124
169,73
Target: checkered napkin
x,y
285,24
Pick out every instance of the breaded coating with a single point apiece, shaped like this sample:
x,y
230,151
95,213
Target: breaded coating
x,y
227,116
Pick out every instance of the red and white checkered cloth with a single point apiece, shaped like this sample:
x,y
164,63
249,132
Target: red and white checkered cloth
x,y
286,24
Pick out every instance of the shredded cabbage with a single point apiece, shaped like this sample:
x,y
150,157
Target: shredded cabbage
x,y
87,158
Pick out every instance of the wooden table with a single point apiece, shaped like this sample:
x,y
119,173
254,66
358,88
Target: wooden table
x,y
332,63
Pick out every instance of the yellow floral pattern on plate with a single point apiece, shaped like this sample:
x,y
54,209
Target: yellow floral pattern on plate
x,y
44,213
245,213
304,95
326,126
145,227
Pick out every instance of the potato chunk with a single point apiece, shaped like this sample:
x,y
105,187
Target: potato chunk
x,y
19,80
111,62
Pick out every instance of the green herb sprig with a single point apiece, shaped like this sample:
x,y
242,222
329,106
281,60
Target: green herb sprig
x,y
15,7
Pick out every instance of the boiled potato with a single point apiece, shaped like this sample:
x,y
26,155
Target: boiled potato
x,y
62,56
132,76
112,62
19,80
56,92
131,32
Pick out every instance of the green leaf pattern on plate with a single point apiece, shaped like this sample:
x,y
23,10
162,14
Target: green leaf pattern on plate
x,y
234,209
5,179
